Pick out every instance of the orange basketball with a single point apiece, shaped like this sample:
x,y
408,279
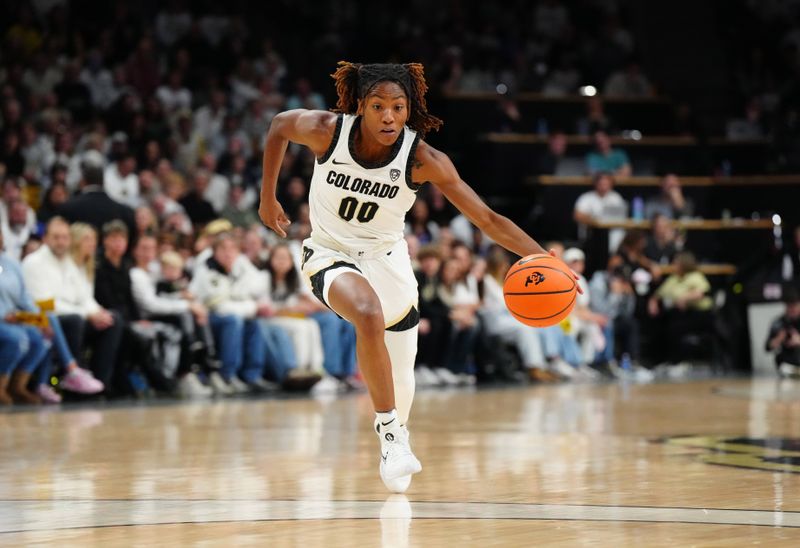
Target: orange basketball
x,y
540,290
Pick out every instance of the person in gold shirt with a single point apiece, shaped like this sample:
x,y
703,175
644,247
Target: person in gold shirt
x,y
684,304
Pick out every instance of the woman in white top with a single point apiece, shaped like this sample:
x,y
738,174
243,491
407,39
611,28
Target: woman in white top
x,y
291,305
498,321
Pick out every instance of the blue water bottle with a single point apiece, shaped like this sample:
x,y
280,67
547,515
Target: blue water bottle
x,y
638,208
625,364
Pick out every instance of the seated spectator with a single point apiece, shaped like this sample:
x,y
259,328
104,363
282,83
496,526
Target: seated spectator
x,y
293,306
784,337
16,297
662,244
16,228
565,79
173,95
605,159
419,223
751,126
611,294
640,269
671,203
630,82
305,97
92,205
121,182
199,210
553,161
498,321
236,211
434,322
23,348
684,304
54,198
113,291
595,119
166,302
12,191
588,327
458,291
51,273
507,117
601,204
233,291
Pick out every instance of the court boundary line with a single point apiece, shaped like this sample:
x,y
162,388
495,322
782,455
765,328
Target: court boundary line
x,y
649,507
277,520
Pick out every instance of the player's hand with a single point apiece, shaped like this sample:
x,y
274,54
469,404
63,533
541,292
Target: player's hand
x,y
574,275
273,217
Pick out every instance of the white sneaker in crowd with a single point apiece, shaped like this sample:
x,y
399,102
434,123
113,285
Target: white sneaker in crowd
x,y
219,385
447,377
560,367
328,385
586,372
398,462
189,386
423,376
465,379
238,385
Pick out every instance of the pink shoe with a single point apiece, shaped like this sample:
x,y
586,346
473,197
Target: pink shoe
x,y
81,381
47,394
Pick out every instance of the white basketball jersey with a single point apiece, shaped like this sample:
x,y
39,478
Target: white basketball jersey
x,y
359,207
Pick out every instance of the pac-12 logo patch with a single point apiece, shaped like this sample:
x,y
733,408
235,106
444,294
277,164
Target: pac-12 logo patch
x,y
394,174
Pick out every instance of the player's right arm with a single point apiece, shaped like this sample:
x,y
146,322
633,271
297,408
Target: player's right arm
x,y
312,128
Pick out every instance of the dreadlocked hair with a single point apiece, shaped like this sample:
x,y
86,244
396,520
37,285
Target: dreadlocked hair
x,y
354,80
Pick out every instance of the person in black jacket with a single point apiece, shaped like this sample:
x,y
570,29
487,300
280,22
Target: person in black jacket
x,y
92,205
113,290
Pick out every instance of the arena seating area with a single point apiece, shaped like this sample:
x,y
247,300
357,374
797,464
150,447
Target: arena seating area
x,y
131,163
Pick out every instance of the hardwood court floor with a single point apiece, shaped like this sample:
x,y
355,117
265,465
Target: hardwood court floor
x,y
712,463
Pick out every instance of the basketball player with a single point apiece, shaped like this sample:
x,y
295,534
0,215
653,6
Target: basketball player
x,y
371,160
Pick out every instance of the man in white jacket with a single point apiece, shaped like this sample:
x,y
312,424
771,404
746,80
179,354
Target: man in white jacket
x,y
50,273
234,293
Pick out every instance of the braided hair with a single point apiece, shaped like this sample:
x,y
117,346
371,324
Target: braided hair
x,y
354,81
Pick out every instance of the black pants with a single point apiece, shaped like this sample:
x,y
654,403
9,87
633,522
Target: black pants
x,y
680,325
626,337
104,344
434,347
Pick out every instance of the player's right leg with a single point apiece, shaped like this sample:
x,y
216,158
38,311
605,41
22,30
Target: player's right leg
x,y
351,296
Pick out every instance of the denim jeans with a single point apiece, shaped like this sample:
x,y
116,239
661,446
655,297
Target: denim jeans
x,y
21,347
60,345
241,346
556,343
280,355
338,344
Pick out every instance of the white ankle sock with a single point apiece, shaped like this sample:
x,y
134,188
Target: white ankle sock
x,y
388,419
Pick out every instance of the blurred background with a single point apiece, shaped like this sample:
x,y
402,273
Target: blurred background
x,y
654,145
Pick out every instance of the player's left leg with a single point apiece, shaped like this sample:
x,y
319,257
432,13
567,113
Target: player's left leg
x,y
402,347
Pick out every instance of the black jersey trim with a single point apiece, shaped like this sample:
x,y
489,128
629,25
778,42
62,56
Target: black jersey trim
x,y
409,165
372,165
325,157
318,279
409,320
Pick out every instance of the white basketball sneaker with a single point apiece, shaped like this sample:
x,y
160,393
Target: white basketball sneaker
x,y
398,462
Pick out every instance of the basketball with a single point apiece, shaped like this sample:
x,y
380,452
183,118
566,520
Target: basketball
x,y
540,290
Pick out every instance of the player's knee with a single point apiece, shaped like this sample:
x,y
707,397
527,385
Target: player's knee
x,y
369,317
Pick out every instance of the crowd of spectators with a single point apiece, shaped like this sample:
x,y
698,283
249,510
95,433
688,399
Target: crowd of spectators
x,y
130,162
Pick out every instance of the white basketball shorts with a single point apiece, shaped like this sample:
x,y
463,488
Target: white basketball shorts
x,y
389,273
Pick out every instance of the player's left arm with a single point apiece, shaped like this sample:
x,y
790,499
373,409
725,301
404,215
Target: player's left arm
x,y
437,168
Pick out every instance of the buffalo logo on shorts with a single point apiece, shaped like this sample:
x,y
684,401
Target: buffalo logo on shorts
x,y
536,278
394,174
